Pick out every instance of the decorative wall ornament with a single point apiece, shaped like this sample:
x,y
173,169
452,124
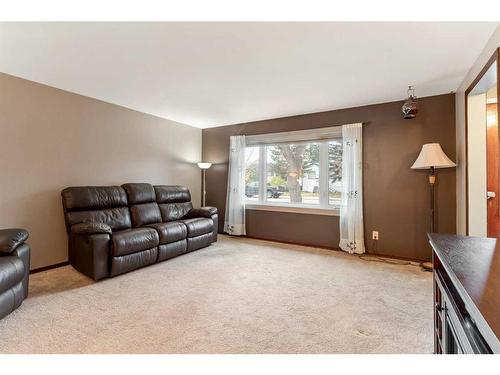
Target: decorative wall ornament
x,y
410,107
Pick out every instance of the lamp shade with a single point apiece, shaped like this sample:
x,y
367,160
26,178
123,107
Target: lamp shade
x,y
432,156
204,165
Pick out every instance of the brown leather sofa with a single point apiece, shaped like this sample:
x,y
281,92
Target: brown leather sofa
x,y
14,269
117,229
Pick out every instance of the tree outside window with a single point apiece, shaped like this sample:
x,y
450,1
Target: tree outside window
x,y
294,173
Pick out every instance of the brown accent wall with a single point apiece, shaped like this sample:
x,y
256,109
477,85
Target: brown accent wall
x,y
396,198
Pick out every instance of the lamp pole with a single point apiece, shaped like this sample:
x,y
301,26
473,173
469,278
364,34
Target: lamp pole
x,y
203,166
432,183
204,188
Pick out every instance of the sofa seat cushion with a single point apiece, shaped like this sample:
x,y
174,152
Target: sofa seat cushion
x,y
11,272
198,226
170,232
133,240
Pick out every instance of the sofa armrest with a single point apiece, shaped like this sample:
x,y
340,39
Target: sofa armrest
x,y
201,212
11,239
89,253
90,228
23,252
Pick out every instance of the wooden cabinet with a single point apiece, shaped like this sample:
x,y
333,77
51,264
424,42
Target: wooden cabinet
x,y
454,333
450,337
465,294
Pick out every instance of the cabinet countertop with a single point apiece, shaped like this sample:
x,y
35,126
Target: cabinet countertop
x,y
473,264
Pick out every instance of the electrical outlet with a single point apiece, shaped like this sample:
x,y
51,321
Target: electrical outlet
x,y
375,235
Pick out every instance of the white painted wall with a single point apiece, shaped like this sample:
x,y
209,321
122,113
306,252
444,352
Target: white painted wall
x,y
476,143
491,45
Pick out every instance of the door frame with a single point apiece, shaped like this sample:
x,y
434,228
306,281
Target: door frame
x,y
495,57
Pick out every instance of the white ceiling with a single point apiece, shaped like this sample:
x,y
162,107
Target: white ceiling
x,y
210,74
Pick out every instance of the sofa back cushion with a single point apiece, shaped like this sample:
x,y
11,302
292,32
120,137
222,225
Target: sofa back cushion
x,y
142,203
101,204
174,201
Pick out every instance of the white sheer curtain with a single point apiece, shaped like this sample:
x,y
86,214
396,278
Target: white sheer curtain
x,y
351,208
234,223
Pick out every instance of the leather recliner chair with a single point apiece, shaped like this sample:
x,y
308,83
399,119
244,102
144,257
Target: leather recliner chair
x,y
117,229
14,269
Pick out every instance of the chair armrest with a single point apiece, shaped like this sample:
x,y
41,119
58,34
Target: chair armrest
x,y
201,212
11,239
90,228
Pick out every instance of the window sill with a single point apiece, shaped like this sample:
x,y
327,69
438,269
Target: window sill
x,y
293,209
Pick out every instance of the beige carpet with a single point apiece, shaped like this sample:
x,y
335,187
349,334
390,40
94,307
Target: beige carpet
x,y
237,296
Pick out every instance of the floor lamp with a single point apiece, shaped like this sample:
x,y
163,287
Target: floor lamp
x,y
204,167
432,157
